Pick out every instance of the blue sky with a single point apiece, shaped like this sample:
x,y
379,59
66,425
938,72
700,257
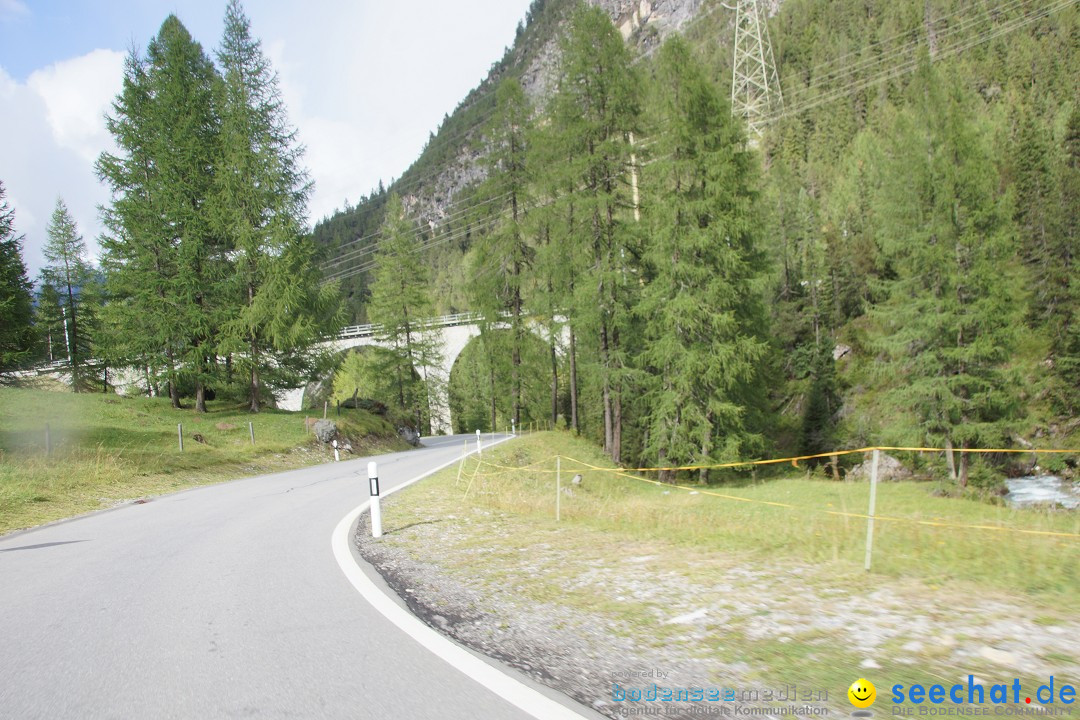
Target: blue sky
x,y
364,82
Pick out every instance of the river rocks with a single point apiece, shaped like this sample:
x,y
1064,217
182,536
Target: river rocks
x,y
325,430
889,469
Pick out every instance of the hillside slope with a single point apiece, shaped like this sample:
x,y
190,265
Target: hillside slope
x,y
853,73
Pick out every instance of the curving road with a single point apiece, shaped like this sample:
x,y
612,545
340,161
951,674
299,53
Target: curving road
x,y
219,602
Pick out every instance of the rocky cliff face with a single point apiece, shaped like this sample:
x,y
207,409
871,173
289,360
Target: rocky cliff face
x,y
643,23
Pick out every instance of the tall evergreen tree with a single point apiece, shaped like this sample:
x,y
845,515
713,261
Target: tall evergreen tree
x,y
1036,212
70,273
164,263
16,308
1067,340
503,256
704,321
596,109
400,301
949,322
259,203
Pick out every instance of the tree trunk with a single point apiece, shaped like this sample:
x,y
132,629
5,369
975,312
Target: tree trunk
x,y
664,476
706,446
554,381
254,387
174,391
608,439
491,380
573,384
516,377
200,397
963,480
254,405
616,430
949,459
74,327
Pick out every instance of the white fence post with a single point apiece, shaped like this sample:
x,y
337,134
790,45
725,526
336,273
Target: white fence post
x,y
461,465
870,512
558,487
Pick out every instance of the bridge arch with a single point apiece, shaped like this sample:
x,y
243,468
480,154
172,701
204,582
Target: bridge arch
x,y
455,332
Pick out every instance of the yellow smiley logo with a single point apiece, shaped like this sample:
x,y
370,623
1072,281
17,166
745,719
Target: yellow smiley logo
x,y
862,693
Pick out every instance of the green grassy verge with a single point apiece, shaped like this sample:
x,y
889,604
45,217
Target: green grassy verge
x,y
107,448
998,558
777,580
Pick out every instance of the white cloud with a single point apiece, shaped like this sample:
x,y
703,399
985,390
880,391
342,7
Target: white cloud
x,y
364,84
50,137
10,9
77,93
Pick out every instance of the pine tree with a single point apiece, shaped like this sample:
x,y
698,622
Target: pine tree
x,y
949,323
165,265
259,204
400,301
596,109
70,273
16,313
704,321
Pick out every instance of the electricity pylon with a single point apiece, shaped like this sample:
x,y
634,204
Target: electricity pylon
x,y
755,86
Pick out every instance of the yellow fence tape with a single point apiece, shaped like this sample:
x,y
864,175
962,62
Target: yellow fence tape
x,y
625,472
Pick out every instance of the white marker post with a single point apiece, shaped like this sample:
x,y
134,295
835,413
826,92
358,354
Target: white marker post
x,y
558,486
461,465
180,435
376,509
251,431
870,512
513,427
479,448
337,456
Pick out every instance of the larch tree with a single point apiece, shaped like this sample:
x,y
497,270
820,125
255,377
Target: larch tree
x,y
1067,340
69,271
400,301
165,265
704,323
503,255
948,327
279,307
596,109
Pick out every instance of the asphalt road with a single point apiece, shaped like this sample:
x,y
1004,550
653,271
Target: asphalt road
x,y
218,602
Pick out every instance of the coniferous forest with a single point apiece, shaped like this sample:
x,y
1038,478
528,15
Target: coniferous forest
x,y
892,261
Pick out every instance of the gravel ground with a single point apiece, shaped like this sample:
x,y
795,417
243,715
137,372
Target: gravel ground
x,y
580,611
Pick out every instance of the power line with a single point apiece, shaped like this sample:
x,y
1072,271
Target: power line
x,y
888,57
894,54
447,140
912,64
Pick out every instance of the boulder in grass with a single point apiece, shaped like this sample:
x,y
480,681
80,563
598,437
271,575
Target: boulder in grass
x,y
889,469
409,435
325,430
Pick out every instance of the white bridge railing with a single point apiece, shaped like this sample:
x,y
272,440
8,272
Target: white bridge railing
x,y
362,331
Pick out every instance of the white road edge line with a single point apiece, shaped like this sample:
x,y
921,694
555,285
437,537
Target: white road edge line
x,y
508,688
